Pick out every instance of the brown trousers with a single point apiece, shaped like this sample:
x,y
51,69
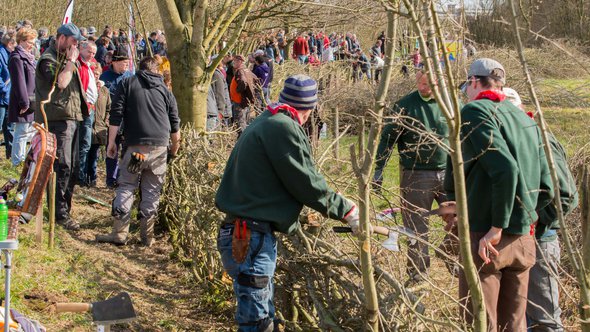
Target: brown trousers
x,y
504,282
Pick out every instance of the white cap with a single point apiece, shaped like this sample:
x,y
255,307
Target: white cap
x,y
512,96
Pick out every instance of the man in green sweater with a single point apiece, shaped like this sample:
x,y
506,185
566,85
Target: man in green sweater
x,y
418,127
269,177
507,180
543,312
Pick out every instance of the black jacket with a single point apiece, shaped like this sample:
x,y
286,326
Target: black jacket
x,y
148,109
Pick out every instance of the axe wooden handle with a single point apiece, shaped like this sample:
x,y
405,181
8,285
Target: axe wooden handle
x,y
72,307
376,229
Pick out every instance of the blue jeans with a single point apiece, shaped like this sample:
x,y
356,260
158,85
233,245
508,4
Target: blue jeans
x,y
85,141
23,133
543,311
6,130
91,163
302,59
252,279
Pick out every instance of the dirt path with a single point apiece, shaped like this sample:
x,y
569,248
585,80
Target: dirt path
x,y
163,294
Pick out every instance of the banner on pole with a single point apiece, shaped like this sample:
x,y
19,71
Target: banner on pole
x,y
69,13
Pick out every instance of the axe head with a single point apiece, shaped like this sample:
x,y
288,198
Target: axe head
x,y
391,243
118,309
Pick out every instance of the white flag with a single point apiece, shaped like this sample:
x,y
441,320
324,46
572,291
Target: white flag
x,y
69,12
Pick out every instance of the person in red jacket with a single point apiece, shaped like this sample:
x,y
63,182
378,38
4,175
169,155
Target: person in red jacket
x,y
300,49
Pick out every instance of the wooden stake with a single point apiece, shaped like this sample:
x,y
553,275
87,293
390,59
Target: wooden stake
x,y
51,206
39,225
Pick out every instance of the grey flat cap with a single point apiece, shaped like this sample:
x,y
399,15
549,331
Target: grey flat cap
x,y
484,67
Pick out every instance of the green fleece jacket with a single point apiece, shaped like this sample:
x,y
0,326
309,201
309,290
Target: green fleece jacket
x,y
412,117
568,195
270,176
506,173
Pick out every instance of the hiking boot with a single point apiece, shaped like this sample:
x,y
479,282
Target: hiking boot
x,y
69,224
114,238
146,231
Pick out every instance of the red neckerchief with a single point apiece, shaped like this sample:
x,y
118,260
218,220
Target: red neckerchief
x,y
493,95
285,109
531,114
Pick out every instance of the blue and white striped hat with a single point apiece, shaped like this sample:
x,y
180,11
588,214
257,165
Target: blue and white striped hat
x,y
300,92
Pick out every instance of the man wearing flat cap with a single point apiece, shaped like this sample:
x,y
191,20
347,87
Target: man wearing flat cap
x,y
118,70
57,69
269,177
507,180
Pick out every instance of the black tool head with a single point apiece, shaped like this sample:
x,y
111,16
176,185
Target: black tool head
x,y
118,309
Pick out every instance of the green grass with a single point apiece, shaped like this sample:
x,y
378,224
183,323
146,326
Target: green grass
x,y
47,275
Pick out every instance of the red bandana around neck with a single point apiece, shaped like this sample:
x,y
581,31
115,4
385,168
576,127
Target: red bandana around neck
x,y
286,109
493,95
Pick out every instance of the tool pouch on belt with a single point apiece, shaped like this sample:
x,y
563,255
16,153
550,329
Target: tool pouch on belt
x,y
135,162
240,241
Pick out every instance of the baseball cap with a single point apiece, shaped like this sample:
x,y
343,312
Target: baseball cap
x,y
484,67
300,92
70,30
239,57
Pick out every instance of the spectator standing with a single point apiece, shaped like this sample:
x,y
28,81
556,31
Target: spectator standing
x,y
219,105
91,31
422,162
242,92
21,66
417,58
144,101
262,71
102,50
7,46
118,71
85,63
300,49
507,180
57,71
100,126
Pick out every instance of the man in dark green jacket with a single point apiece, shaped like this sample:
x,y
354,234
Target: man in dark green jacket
x,y
507,180
420,130
543,311
57,68
269,177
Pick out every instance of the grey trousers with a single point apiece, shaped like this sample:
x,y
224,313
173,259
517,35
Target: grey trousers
x,y
419,190
150,180
543,311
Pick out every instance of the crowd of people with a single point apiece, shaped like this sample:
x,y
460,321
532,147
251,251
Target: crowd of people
x,y
95,100
91,91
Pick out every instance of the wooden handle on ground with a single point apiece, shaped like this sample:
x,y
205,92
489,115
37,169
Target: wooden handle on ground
x,y
72,307
381,230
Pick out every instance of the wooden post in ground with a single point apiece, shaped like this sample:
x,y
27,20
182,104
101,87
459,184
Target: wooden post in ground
x,y
51,207
336,125
39,225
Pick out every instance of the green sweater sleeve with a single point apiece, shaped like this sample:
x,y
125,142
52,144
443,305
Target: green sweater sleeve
x,y
483,134
568,193
389,136
289,153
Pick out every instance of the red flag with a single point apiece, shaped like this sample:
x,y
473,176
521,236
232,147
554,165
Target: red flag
x,y
69,12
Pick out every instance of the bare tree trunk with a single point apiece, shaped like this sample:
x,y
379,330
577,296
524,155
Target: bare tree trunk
x,y
191,41
448,101
573,254
362,168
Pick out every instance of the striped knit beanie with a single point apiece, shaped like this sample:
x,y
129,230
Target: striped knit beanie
x,y
300,92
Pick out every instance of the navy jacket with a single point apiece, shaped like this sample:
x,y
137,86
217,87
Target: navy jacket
x,y
22,74
4,76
